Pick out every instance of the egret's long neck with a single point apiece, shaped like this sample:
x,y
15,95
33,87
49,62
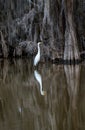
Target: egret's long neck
x,y
38,49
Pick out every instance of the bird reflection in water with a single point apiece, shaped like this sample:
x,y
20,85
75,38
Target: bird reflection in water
x,y
39,80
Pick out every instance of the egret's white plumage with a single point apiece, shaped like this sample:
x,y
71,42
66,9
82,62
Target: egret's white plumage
x,y
37,57
39,79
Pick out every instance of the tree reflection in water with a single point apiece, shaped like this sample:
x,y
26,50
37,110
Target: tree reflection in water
x,y
73,82
22,107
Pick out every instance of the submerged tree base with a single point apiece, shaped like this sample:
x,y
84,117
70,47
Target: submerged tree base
x,y
28,49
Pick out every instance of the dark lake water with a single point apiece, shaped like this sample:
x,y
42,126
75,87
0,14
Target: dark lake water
x,y
49,98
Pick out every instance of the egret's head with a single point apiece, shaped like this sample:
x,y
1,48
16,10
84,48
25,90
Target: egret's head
x,y
39,43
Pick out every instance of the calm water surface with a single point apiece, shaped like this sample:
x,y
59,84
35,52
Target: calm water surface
x,y
52,97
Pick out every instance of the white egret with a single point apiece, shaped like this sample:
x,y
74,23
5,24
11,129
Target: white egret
x,y
39,79
37,57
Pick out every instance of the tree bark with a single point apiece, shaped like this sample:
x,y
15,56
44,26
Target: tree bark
x,y
4,46
71,50
50,21
46,11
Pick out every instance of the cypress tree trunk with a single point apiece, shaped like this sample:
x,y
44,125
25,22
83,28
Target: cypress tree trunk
x,y
51,21
71,50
